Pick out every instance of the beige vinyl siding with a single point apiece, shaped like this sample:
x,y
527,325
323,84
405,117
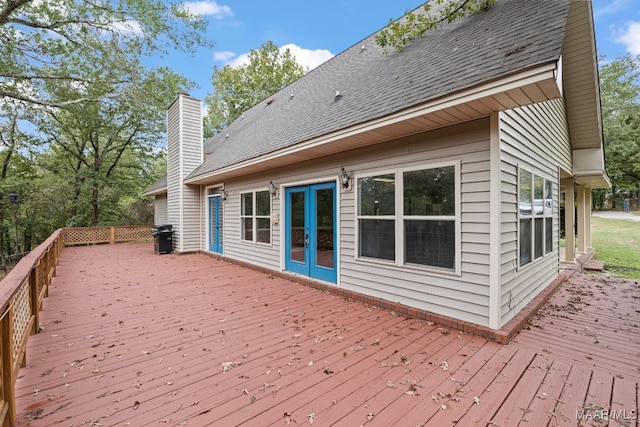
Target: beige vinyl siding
x,y
160,209
191,220
262,254
535,138
184,154
464,295
174,178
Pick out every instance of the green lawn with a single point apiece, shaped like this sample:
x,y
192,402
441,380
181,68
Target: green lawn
x,y
617,243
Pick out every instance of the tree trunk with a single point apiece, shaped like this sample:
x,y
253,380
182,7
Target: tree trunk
x,y
94,206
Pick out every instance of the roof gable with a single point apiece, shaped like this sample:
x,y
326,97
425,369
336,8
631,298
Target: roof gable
x,y
362,84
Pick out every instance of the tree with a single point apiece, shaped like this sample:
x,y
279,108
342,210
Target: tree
x,y
620,99
45,42
80,117
100,146
238,89
16,172
436,12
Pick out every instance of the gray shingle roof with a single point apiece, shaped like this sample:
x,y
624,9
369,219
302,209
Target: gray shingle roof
x,y
160,186
511,36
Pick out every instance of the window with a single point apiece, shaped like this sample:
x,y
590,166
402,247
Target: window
x,y
535,212
427,217
255,217
376,195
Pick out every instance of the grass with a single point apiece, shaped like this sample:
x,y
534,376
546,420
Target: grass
x,y
617,243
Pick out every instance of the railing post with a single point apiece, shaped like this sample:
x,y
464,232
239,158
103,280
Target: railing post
x,y
8,392
112,236
35,296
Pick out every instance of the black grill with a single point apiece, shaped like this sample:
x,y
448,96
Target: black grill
x,y
162,239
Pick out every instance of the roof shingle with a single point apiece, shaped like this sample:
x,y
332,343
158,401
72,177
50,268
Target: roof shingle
x,y
511,36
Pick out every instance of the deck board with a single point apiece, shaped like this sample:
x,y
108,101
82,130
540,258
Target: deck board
x,y
132,338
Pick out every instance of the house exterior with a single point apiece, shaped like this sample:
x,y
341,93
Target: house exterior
x,y
432,177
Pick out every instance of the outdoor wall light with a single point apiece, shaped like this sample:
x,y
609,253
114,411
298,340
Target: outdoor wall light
x,y
344,178
272,188
14,198
224,195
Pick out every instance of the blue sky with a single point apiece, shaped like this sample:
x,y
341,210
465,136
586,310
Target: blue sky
x,y
316,30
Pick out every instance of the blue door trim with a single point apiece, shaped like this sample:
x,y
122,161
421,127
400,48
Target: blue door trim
x,y
215,224
307,262
292,261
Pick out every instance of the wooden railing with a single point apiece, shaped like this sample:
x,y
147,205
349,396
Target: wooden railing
x,y
111,235
24,289
21,295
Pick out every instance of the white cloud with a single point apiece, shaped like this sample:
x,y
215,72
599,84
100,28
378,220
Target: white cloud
x,y
610,7
630,37
223,56
208,8
309,59
238,61
306,57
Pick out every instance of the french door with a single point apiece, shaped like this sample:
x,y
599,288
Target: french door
x,y
310,230
215,224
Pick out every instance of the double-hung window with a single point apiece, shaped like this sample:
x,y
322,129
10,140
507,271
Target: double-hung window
x,y
376,216
430,217
410,217
535,212
255,216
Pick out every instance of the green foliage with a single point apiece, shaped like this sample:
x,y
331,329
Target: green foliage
x,y
81,120
435,12
620,99
101,147
617,243
48,42
238,89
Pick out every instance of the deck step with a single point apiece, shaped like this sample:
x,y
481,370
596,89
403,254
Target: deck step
x,y
594,265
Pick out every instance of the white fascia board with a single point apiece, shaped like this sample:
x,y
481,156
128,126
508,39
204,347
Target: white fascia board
x,y
530,76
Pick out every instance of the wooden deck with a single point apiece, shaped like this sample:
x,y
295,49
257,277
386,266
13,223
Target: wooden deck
x,y
130,338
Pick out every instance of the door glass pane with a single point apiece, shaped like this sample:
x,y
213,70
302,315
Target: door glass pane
x,y
212,222
297,231
324,227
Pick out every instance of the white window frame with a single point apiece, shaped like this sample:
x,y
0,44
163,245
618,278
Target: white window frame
x,y
545,213
399,218
255,217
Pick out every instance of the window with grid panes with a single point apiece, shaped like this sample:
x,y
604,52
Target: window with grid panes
x,y
255,216
535,216
428,215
